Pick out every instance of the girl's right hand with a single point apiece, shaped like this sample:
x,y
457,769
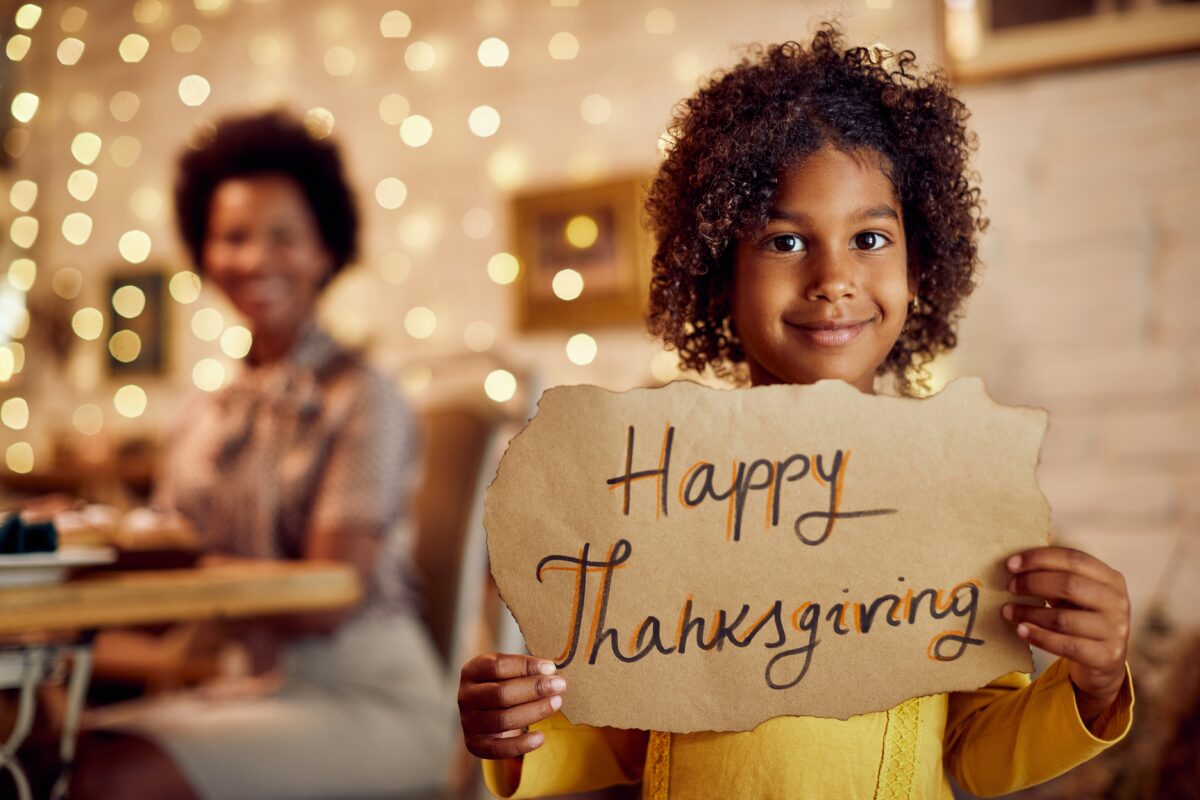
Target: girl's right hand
x,y
499,695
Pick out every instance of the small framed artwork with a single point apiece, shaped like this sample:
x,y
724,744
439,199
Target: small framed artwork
x,y
990,39
137,339
584,255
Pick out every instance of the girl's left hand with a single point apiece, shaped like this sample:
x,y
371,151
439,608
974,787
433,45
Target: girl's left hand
x,y
1086,623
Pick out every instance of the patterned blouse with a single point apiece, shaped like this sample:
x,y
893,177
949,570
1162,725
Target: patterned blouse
x,y
316,440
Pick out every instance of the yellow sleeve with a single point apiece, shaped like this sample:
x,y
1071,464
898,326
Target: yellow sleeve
x,y
1012,733
574,758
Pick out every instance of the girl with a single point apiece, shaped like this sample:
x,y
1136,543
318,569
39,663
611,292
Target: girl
x,y
815,220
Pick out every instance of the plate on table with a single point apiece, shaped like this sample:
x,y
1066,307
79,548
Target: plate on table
x,y
28,569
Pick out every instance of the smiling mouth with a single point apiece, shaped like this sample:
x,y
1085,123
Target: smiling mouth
x,y
829,334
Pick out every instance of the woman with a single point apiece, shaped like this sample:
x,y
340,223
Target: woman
x,y
308,454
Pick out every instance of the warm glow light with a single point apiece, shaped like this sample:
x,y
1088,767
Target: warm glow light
x,y
416,131
133,48
28,15
73,19
184,287
24,106
506,167
7,362
77,228
339,61
416,378
81,184
420,56
500,385
147,12
395,267
420,322
479,336
567,284
88,419
582,231
563,46
211,6
19,457
665,366
477,223
125,151
23,231
134,246
581,349
208,374
419,231
70,50
493,52
129,301
395,25
22,273
660,21
185,38
130,400
503,268
146,203
124,106
586,166
15,413
23,195
207,324
390,193
86,147
319,122
88,323
393,108
17,47
236,341
484,121
194,90
595,109
67,283
125,346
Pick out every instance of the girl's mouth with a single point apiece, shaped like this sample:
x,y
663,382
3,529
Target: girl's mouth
x,y
829,334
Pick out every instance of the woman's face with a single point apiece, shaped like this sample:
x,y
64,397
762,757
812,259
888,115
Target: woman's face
x,y
264,250
823,290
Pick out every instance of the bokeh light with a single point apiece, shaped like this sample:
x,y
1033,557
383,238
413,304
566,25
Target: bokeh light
x,y
419,231
17,47
88,419
416,131
492,52
130,400
420,56
595,109
420,322
134,246
70,50
124,106
129,301
81,184
563,46
581,349
339,61
125,151
506,167
665,366
24,106
77,228
477,223
582,231
88,323
207,324
479,336
415,378
500,385
23,231
133,48
184,287
148,12
236,341
484,121
23,195
125,346
67,282
567,284
185,38
15,413
395,24
503,268
146,203
19,457
393,108
208,374
390,193
194,90
85,147
73,19
22,273
27,16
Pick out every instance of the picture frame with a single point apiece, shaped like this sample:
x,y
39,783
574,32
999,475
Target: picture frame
x,y
995,39
594,231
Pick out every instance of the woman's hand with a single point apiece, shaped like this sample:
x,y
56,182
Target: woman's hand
x,y
499,695
1086,623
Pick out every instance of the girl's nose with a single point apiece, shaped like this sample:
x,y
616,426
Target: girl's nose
x,y
251,257
831,277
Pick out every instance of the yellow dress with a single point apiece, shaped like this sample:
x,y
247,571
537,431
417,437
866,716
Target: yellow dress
x,y
1010,734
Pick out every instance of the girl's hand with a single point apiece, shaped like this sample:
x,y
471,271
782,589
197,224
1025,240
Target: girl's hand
x,y
499,695
1086,623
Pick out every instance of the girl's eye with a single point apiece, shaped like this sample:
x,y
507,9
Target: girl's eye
x,y
785,243
870,240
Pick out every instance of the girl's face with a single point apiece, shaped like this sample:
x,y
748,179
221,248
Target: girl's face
x,y
823,290
263,249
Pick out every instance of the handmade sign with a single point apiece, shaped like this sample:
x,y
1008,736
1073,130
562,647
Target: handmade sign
x,y
696,559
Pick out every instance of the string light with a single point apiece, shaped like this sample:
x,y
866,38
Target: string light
x,y
185,38
416,131
477,223
390,193
17,47
484,121
125,346
420,56
23,231
86,147
208,375
27,16
184,287
67,283
319,122
70,50
81,184
19,457
77,228
23,195
130,400
133,48
124,106
18,355
207,324
500,385
582,231
15,413
88,419
395,25
393,108
24,106
479,336
88,323
492,52
236,341
22,273
420,322
503,268
6,363
581,349
567,284
194,90
339,61
563,46
129,301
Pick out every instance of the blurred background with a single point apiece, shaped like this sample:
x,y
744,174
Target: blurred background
x,y
475,133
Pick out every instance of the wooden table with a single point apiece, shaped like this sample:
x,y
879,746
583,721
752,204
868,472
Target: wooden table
x,y
78,608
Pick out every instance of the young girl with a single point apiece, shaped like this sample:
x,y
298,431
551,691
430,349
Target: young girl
x,y
815,220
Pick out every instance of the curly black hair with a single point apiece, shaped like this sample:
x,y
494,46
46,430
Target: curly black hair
x,y
728,145
272,143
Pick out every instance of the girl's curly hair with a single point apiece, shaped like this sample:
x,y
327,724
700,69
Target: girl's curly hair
x,y
729,144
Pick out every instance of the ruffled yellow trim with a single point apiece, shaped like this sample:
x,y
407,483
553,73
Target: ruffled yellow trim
x,y
656,782
898,769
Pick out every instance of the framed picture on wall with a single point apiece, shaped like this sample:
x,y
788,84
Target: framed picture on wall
x,y
990,39
137,337
584,255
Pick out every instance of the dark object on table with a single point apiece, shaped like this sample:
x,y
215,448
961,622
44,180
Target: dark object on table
x,y
18,536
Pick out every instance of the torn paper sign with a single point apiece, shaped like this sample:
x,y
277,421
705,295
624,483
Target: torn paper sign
x,y
696,559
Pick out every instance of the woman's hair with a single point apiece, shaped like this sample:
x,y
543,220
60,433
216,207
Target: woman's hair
x,y
729,144
273,143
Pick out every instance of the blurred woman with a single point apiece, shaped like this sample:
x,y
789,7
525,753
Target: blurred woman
x,y
308,454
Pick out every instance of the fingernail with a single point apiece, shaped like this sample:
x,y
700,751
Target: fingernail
x,y
1023,631
1007,611
546,667
556,702
536,739
1014,563
557,684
